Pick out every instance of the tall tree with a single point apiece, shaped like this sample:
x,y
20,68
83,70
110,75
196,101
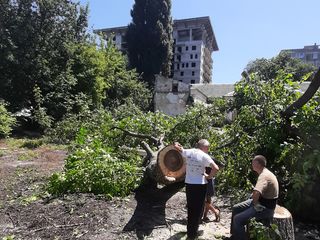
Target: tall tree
x,y
149,38
35,40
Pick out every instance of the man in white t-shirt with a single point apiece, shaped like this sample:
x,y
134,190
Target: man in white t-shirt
x,y
197,159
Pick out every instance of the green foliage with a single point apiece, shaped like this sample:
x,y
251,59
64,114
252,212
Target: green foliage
x,y
124,86
7,121
34,45
96,167
291,147
32,143
202,121
149,38
65,131
9,237
89,68
40,114
258,231
268,69
101,160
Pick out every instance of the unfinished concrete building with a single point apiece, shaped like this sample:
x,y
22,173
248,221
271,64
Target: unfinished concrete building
x,y
194,42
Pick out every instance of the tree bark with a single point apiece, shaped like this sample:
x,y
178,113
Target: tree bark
x,y
283,219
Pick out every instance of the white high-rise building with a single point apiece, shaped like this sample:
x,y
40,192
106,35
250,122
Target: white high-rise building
x,y
194,42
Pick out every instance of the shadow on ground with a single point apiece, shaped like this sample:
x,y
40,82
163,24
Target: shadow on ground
x,y
150,211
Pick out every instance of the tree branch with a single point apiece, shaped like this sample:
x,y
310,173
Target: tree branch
x,y
309,93
138,135
150,153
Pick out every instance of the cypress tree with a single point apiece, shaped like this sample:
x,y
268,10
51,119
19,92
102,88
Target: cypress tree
x,y
149,38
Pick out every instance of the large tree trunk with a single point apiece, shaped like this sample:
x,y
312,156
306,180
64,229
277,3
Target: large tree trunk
x,y
283,219
166,166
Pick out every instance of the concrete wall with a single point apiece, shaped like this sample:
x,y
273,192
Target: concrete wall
x,y
170,96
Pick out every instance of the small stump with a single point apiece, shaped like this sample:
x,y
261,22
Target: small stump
x,y
283,219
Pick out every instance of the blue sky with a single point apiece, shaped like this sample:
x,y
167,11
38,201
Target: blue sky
x,y
244,29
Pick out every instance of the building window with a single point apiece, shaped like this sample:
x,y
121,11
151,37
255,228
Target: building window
x,y
187,48
308,56
192,81
179,49
196,56
192,73
180,80
315,56
194,47
191,56
182,65
196,34
179,58
187,65
184,35
181,73
193,64
178,66
175,87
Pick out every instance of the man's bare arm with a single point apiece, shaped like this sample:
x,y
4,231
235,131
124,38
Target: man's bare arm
x,y
255,197
214,169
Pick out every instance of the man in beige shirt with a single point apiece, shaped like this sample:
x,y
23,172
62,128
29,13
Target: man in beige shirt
x,y
263,202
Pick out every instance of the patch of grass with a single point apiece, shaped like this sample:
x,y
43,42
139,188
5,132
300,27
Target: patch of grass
x,y
27,156
32,143
30,199
15,143
218,236
2,153
9,237
56,147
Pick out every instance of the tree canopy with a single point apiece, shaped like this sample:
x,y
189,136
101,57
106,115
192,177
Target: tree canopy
x,y
149,38
52,67
34,46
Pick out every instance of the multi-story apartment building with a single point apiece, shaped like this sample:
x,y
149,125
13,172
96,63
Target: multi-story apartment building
x,y
308,54
194,42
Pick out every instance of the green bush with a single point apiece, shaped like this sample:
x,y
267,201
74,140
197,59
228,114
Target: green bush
x,y
7,121
65,131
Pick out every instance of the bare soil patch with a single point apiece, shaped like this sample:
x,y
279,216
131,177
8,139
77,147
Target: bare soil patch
x,y
26,212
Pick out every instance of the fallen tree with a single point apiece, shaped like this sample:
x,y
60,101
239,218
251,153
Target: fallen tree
x,y
164,165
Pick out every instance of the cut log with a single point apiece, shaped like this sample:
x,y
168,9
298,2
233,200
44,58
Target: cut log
x,y
283,219
166,166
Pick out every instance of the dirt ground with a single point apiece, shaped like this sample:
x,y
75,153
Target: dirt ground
x,y
27,212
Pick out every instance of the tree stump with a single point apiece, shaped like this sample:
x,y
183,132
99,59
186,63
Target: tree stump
x,y
283,219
